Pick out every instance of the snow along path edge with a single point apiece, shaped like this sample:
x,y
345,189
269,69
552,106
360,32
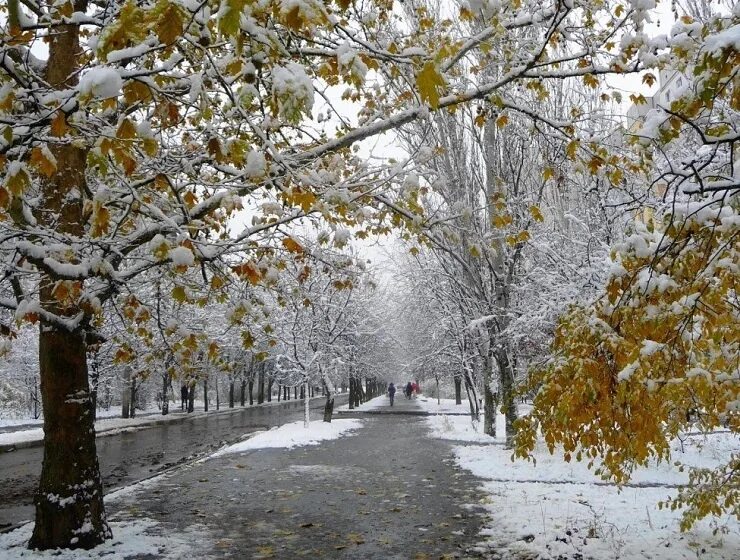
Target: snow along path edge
x,y
293,435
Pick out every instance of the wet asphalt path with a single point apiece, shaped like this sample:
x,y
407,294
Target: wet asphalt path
x,y
128,457
386,492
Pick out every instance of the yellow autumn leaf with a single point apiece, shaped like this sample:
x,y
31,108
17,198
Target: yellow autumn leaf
x,y
41,162
179,294
292,246
430,83
170,25
126,130
59,124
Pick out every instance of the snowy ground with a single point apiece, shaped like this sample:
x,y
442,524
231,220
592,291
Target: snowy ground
x,y
561,510
372,404
132,539
294,435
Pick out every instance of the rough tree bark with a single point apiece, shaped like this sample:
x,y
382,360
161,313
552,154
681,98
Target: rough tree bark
x,y
69,499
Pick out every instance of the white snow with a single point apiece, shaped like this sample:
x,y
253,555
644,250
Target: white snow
x,y
101,82
556,509
256,164
294,435
131,539
372,404
182,256
293,88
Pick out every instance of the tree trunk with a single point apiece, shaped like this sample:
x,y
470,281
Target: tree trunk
x,y
231,394
489,400
165,393
261,386
351,393
191,397
69,500
458,390
251,392
295,392
329,393
218,396
205,395
132,401
306,406
126,393
269,389
242,394
280,392
506,373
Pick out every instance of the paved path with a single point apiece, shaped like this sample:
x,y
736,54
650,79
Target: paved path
x,y
128,457
386,492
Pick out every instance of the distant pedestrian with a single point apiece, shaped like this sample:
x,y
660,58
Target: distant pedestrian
x,y
408,390
183,397
391,392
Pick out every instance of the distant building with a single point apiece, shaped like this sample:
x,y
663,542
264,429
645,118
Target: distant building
x,y
671,83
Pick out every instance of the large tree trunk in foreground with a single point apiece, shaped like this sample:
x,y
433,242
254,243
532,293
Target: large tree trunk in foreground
x,y
69,500
458,389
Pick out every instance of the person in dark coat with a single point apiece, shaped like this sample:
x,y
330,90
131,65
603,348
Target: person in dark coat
x,y
391,392
408,390
183,396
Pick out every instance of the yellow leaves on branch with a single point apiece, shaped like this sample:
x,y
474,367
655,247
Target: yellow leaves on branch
x,y
248,271
292,246
430,84
658,348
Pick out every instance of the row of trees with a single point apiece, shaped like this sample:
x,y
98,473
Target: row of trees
x,y
528,229
164,155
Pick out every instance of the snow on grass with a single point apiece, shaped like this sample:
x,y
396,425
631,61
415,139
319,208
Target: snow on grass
x,y
294,435
445,406
554,509
372,404
142,538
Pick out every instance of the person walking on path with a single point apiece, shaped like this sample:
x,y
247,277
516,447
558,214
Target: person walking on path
x,y
408,390
391,392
